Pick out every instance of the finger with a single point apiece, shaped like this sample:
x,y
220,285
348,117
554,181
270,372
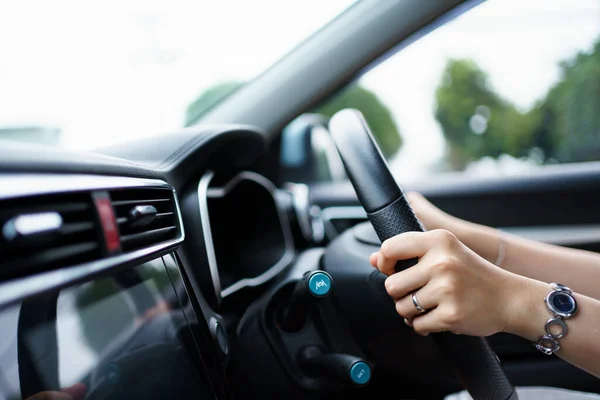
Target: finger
x,y
430,322
404,282
419,205
414,198
402,247
78,391
373,259
51,396
427,297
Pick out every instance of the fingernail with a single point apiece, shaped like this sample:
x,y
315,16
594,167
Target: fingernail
x,y
407,322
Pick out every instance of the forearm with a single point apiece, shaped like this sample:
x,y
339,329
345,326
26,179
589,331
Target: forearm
x,y
577,269
580,346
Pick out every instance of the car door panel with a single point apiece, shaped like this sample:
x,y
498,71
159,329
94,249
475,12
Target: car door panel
x,y
555,205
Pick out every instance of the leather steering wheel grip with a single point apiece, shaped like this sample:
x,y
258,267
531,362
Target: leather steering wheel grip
x,y
474,362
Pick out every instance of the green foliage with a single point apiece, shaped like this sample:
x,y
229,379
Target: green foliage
x,y
209,99
477,122
376,113
572,110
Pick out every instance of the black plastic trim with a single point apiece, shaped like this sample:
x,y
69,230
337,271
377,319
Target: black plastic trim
x,y
21,185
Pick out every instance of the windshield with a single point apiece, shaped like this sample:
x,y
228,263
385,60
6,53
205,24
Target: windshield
x,y
87,75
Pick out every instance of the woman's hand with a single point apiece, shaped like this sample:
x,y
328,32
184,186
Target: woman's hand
x,y
463,292
75,392
481,239
430,216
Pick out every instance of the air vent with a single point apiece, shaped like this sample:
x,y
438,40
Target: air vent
x,y
145,216
45,232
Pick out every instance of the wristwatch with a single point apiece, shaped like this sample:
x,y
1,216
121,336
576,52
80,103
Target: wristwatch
x,y
562,305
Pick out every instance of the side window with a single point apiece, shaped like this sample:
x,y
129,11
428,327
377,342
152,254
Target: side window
x,y
503,88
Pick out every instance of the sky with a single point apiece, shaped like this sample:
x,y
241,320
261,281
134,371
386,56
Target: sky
x,y
114,70
109,71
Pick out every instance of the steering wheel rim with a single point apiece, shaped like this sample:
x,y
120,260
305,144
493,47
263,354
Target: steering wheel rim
x,y
474,362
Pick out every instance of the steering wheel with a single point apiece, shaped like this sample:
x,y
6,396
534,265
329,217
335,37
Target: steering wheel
x,y
474,362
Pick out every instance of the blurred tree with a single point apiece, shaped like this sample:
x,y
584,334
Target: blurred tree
x,y
475,120
564,125
376,113
569,129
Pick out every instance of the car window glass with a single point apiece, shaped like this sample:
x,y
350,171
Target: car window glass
x,y
504,88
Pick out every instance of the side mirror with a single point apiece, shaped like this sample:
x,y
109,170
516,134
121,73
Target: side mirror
x,y
308,153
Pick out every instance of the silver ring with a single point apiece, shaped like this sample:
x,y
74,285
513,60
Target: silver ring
x,y
416,303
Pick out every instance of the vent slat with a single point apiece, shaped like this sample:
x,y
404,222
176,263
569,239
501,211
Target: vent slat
x,y
124,220
155,234
78,227
54,255
164,214
66,210
138,202
164,226
60,207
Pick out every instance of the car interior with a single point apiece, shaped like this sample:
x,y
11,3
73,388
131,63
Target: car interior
x,y
202,264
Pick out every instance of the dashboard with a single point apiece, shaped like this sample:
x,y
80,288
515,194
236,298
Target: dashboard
x,y
176,267
238,233
102,289
162,263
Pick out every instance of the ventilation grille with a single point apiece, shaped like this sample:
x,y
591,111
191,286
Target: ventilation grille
x,y
145,217
45,232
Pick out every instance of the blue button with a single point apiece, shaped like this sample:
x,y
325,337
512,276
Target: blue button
x,y
319,284
360,373
112,373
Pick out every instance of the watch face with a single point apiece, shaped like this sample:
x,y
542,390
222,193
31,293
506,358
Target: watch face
x,y
562,304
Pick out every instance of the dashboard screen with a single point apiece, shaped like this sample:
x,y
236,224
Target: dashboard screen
x,y
124,336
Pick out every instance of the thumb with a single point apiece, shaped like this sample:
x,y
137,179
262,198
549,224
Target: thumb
x,y
51,396
373,259
77,391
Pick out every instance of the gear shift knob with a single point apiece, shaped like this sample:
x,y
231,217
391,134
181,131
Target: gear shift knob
x,y
313,285
343,368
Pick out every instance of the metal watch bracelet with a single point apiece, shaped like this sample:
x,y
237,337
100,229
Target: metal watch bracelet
x,y
561,303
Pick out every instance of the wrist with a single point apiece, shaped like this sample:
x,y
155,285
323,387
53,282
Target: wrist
x,y
526,312
483,240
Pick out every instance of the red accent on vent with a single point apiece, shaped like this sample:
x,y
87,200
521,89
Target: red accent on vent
x,y
107,221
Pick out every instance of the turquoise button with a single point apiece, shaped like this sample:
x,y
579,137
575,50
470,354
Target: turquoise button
x,y
112,374
319,284
360,373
